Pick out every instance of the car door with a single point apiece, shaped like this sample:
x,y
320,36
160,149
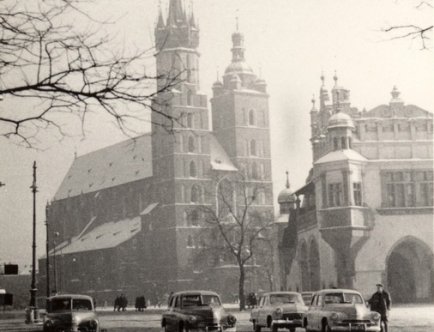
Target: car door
x,y
312,313
255,310
171,314
261,321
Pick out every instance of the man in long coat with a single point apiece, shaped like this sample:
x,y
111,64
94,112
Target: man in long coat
x,y
381,303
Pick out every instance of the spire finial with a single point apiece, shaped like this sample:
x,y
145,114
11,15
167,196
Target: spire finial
x,y
237,20
313,101
218,74
287,180
322,78
335,78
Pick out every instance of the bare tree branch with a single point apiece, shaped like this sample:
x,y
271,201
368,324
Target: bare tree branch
x,y
58,68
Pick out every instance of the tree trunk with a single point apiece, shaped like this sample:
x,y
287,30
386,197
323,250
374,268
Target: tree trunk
x,y
241,288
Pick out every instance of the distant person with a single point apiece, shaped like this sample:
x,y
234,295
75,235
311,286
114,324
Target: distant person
x,y
117,304
381,303
123,302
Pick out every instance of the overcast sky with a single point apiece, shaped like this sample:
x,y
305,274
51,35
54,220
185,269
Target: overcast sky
x,y
290,42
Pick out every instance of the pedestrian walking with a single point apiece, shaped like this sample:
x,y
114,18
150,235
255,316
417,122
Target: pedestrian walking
x,y
381,303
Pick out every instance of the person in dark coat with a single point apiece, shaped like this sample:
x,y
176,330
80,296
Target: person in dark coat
x,y
117,304
381,303
123,302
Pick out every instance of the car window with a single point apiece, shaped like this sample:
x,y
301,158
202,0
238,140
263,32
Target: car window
x,y
172,301
81,305
285,298
178,302
333,298
191,300
313,300
211,300
319,300
56,305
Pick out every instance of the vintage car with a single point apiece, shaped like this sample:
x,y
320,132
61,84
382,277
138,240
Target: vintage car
x,y
278,310
197,310
71,313
340,310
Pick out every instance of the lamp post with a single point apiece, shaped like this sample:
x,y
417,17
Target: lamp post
x,y
33,285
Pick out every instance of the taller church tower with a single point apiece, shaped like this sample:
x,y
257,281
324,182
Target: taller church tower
x,y
180,142
241,120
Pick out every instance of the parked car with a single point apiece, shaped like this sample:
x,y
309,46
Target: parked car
x,y
71,313
279,310
307,297
340,310
197,310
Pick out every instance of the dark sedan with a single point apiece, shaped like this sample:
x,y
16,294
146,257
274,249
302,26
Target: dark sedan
x,y
197,310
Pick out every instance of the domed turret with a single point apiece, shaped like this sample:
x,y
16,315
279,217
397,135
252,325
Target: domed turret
x,y
286,198
340,120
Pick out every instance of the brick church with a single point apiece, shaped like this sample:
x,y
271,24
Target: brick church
x,y
365,214
125,217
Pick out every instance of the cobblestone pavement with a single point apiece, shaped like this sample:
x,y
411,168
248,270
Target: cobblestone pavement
x,y
417,318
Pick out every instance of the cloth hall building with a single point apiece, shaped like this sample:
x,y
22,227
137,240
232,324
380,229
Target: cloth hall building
x,y
125,217
365,214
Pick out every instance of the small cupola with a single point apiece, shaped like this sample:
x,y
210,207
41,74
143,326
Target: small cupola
x,y
286,198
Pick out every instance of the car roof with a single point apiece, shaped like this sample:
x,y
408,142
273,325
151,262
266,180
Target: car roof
x,y
278,293
68,296
337,290
195,292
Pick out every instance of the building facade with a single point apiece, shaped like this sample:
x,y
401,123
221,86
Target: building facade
x,y
365,214
129,217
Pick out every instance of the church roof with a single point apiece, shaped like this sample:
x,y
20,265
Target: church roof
x,y
121,163
124,162
340,155
220,161
105,236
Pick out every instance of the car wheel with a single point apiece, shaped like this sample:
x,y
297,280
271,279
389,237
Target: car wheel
x,y
292,329
274,328
183,327
256,327
325,327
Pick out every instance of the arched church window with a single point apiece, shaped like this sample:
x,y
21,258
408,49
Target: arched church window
x,y
253,147
252,119
190,242
189,98
191,145
190,120
193,171
194,218
195,194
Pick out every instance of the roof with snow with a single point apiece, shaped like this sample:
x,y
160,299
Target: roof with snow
x,y
340,155
124,162
220,161
105,236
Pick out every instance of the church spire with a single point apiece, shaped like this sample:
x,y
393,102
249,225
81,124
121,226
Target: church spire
x,y
176,12
160,22
237,44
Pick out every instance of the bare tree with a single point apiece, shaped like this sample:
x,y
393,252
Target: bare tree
x,y
54,61
414,31
235,227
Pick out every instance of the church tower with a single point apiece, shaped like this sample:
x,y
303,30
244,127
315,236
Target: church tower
x,y
180,141
241,119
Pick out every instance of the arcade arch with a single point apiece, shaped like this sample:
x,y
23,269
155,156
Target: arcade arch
x,y
409,271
